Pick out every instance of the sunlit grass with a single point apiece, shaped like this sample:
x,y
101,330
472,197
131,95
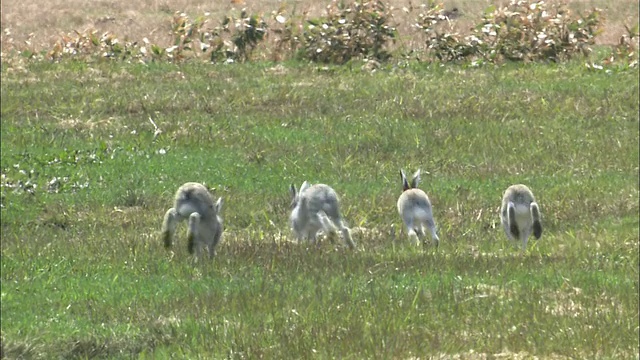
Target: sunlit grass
x,y
86,182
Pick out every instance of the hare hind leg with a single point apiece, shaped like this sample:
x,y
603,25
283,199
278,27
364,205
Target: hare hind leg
x,y
432,228
193,236
412,234
346,234
344,230
411,230
169,224
535,216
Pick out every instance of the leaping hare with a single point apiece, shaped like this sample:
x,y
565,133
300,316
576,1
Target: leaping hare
x,y
520,214
415,209
317,207
193,201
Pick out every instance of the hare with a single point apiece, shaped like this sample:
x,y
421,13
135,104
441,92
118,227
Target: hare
x,y
415,209
193,201
520,214
315,208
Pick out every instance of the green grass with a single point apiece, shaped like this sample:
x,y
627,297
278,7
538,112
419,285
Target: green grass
x,y
85,185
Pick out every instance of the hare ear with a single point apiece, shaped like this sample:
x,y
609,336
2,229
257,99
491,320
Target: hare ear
x,y
415,179
218,205
305,185
405,183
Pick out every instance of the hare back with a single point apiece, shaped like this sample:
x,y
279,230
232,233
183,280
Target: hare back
x,y
521,211
518,194
321,197
413,198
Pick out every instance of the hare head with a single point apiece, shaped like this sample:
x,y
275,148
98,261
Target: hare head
x,y
194,202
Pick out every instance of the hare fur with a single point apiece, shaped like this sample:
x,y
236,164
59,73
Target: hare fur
x,y
194,202
317,207
415,209
520,214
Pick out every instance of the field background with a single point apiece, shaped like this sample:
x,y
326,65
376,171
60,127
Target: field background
x,y
92,153
43,22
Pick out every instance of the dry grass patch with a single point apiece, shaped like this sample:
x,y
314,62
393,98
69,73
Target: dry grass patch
x,y
569,302
505,354
73,123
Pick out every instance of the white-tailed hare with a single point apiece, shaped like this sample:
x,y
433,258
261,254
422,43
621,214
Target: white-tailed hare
x,y
415,209
520,214
317,207
194,202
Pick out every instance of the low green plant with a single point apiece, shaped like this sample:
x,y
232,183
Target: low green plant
x,y
249,31
89,44
286,32
234,39
626,51
355,30
185,33
535,31
433,24
521,31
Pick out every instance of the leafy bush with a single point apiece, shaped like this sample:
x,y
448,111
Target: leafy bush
x,y
185,34
626,51
249,31
233,40
287,30
531,31
89,43
521,31
349,31
444,45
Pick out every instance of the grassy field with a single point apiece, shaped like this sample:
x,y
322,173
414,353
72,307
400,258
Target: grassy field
x,y
87,177
93,151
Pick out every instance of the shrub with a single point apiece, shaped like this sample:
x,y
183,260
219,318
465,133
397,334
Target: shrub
x,y
521,31
349,31
445,45
287,30
234,39
89,44
531,31
626,51
249,31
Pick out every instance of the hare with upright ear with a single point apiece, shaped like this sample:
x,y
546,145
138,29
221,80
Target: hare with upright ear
x,y
520,214
317,207
193,201
415,209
